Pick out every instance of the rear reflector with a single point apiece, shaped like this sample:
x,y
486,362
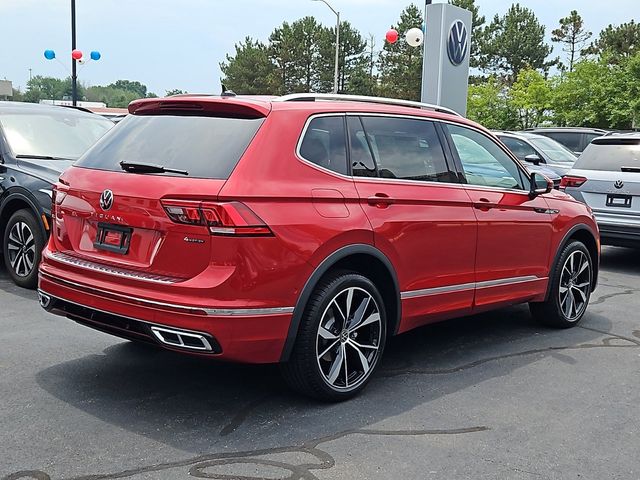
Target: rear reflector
x,y
221,218
571,181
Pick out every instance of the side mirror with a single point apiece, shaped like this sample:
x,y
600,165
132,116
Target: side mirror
x,y
533,158
540,184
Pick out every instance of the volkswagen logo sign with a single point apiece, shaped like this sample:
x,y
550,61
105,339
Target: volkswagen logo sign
x,y
457,45
619,184
106,200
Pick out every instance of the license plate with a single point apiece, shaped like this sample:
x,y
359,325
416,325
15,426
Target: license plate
x,y
113,238
623,201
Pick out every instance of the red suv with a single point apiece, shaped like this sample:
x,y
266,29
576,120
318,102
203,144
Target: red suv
x,y
306,230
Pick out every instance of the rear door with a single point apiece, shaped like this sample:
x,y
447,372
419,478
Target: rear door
x,y
514,230
421,216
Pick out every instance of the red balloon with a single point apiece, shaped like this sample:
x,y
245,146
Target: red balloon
x,y
392,36
76,54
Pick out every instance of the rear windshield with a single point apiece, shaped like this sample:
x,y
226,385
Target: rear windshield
x,y
206,147
610,155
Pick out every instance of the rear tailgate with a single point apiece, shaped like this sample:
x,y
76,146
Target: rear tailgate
x,y
120,220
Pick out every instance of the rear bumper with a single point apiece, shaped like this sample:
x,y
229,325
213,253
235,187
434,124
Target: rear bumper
x,y
621,235
247,335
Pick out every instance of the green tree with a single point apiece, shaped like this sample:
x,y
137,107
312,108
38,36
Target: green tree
x,y
617,42
175,91
111,96
478,22
514,42
352,64
130,86
488,104
572,35
400,65
250,70
50,88
531,98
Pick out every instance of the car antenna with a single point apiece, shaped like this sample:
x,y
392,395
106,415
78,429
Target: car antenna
x,y
226,92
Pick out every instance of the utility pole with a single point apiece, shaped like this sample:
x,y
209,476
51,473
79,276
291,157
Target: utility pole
x,y
74,75
335,76
29,74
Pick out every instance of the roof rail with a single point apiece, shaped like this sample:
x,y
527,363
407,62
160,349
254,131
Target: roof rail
x,y
312,97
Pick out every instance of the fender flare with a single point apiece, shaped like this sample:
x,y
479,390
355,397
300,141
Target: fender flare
x,y
563,243
315,277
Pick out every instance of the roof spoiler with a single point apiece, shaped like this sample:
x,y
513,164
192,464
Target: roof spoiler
x,y
233,107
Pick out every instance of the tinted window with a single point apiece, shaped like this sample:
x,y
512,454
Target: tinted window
x,y
610,154
557,152
570,140
483,161
362,164
57,133
206,147
407,149
325,145
519,148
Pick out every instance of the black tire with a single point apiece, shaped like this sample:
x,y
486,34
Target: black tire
x,y
310,373
22,248
557,311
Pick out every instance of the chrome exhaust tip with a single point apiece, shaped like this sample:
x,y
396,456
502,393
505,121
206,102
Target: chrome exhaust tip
x,y
182,339
44,299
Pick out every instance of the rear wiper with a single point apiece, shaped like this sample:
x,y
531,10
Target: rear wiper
x,y
630,169
135,167
42,157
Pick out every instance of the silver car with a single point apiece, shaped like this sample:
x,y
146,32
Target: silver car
x,y
607,178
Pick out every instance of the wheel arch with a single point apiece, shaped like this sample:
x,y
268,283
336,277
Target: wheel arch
x,y
18,201
584,234
361,258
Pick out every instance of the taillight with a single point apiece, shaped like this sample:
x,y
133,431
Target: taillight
x,y
571,182
57,197
221,218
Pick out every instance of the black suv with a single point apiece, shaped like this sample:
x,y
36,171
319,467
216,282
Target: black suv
x,y
37,142
575,139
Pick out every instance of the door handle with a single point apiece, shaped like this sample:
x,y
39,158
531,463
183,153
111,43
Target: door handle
x,y
380,200
483,204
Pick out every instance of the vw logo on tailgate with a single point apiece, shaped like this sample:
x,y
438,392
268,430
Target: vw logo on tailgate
x,y
619,184
106,200
457,44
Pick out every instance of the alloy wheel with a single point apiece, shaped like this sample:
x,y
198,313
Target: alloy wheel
x,y
575,283
21,249
348,339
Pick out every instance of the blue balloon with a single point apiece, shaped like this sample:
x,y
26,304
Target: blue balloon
x,y
95,55
424,28
49,54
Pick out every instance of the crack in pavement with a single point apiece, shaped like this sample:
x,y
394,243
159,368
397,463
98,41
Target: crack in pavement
x,y
200,464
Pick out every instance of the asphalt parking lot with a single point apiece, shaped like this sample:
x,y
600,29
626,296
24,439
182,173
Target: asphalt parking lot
x,y
485,397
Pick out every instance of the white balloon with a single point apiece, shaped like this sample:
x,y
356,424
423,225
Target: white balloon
x,y
82,61
414,37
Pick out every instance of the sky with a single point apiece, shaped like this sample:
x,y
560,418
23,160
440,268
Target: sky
x,y
167,44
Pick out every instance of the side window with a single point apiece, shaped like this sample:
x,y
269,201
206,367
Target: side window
x,y
483,161
519,148
362,164
407,149
324,144
570,140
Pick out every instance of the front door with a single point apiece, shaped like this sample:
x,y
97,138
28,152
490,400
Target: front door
x,y
422,218
514,230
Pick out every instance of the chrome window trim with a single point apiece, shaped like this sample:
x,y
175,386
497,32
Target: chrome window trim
x,y
469,286
395,180
187,308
